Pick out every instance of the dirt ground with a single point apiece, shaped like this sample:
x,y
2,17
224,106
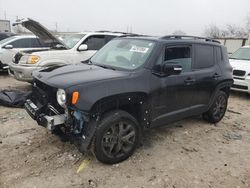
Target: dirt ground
x,y
189,153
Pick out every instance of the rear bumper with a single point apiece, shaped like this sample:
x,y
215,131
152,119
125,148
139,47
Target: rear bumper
x,y
22,73
49,122
242,85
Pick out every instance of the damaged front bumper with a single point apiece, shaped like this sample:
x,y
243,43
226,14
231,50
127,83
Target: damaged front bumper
x,y
79,131
49,122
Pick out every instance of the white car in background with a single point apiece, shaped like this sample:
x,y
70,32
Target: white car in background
x,y
73,49
10,46
240,61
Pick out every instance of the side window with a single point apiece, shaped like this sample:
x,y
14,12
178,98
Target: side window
x,y
21,43
109,38
180,55
224,54
218,54
35,43
95,42
204,56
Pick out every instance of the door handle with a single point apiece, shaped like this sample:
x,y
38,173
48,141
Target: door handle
x,y
216,76
189,81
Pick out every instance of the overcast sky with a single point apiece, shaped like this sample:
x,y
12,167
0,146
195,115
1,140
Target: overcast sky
x,y
155,17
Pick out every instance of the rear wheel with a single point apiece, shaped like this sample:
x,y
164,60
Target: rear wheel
x,y
116,138
218,108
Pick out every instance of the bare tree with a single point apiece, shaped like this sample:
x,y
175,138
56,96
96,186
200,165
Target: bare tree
x,y
179,32
212,31
248,24
231,30
235,31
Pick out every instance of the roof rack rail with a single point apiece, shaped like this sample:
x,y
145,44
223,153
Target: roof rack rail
x,y
132,35
124,34
106,31
189,37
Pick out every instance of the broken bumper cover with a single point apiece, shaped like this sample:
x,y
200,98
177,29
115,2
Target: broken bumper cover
x,y
46,121
82,140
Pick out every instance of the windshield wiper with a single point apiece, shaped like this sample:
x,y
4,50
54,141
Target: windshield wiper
x,y
105,66
239,58
88,62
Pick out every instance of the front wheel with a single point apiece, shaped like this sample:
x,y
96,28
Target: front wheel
x,y
116,138
218,108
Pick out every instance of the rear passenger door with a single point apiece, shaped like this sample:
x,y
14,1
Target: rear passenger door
x,y
207,73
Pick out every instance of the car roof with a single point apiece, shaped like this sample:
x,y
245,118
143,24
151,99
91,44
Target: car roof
x,y
6,33
25,36
247,46
177,39
116,33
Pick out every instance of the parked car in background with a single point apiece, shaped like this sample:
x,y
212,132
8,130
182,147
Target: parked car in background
x,y
240,61
131,84
70,50
10,46
5,35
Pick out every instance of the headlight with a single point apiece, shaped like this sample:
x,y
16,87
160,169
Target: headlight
x,y
61,97
33,59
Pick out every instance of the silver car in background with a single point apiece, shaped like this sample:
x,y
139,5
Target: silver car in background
x,y
71,49
10,46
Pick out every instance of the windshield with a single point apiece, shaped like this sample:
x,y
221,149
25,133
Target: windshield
x,y
123,53
7,40
242,53
71,40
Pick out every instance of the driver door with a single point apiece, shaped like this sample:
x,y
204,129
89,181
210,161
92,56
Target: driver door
x,y
174,94
94,43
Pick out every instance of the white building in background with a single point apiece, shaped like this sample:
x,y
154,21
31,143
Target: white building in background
x,y
5,26
234,44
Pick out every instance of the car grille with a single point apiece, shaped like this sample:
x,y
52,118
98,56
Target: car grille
x,y
17,58
44,95
239,73
239,87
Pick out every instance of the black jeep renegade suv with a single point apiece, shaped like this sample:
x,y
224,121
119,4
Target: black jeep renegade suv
x,y
131,84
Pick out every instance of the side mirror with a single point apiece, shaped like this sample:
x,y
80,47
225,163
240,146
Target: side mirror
x,y
8,46
171,69
83,47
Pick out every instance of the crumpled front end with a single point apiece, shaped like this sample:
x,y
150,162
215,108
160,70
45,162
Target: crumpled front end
x,y
72,124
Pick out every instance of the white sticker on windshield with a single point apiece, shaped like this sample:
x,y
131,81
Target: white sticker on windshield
x,y
139,49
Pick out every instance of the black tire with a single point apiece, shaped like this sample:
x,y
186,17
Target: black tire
x,y
116,137
217,109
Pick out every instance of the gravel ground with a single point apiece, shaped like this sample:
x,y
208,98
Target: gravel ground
x,y
188,153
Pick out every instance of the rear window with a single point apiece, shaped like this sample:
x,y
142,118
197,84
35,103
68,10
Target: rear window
x,y
204,56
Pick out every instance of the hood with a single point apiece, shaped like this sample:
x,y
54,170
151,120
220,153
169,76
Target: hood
x,y
34,50
40,31
77,74
240,64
